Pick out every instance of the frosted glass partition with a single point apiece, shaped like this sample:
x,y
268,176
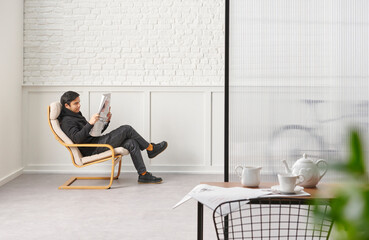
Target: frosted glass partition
x,y
298,78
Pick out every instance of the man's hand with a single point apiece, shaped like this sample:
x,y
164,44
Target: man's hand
x,y
109,115
94,119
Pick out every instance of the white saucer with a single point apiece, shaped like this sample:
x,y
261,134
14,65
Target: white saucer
x,y
297,190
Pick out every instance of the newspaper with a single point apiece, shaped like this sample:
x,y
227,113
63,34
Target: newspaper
x,y
212,196
103,111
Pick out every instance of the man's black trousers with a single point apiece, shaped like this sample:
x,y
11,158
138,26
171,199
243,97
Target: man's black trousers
x,y
127,137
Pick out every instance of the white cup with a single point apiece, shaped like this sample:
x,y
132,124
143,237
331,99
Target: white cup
x,y
288,182
250,176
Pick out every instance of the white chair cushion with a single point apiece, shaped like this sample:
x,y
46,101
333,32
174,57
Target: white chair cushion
x,y
75,151
55,109
118,150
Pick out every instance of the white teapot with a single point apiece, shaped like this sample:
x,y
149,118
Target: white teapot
x,y
308,169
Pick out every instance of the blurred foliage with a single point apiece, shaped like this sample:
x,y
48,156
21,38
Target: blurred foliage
x,y
350,205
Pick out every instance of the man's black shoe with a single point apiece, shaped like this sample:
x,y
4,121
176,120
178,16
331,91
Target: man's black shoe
x,y
157,149
149,178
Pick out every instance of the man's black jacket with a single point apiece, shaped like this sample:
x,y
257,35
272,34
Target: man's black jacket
x,y
77,128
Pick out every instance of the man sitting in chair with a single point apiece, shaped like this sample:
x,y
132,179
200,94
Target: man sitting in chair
x,y
77,128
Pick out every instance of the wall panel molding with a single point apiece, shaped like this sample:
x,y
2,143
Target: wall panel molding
x,y
181,115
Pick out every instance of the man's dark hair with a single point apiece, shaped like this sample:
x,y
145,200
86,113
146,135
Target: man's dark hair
x,y
68,97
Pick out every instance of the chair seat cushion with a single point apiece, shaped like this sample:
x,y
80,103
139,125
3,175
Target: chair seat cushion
x,y
119,150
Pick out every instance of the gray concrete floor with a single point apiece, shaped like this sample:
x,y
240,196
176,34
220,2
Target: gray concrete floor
x,y
32,207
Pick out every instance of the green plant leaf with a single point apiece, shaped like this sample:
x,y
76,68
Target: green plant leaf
x,y
350,205
356,163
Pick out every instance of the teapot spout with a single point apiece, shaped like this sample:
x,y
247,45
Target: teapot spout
x,y
288,170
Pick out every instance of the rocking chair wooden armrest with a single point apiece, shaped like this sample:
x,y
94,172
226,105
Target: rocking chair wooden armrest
x,y
92,145
112,156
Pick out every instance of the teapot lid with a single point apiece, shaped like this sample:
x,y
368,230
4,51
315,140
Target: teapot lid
x,y
304,158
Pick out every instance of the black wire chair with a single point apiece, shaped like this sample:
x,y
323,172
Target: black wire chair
x,y
271,218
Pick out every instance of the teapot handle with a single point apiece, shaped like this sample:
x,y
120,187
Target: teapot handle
x,y
326,167
237,172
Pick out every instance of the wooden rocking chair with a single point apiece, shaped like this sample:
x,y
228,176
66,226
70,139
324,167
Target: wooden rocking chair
x,y
113,154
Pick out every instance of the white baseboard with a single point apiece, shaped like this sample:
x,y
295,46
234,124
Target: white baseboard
x,y
105,169
11,176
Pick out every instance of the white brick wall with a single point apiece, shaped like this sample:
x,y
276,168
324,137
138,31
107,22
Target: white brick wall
x,y
124,42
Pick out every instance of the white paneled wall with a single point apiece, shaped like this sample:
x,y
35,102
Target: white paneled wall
x,y
11,69
129,107
189,118
217,130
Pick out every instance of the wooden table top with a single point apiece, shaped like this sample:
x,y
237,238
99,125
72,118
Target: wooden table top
x,y
323,190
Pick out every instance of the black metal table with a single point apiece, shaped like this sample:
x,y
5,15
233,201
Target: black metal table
x,y
314,192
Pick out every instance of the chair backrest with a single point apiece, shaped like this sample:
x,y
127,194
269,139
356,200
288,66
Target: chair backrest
x,y
53,113
270,218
